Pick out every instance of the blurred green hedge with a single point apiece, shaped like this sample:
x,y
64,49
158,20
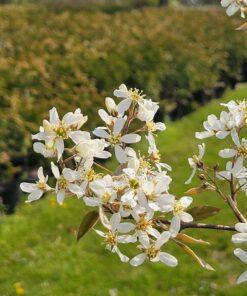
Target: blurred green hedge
x,y
72,59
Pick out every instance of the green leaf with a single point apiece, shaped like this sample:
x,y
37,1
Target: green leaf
x,y
88,221
189,251
203,212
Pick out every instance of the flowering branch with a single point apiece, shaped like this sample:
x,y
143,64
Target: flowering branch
x,y
131,199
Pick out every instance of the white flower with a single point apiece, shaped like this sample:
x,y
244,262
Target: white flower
x,y
155,154
179,206
236,170
128,204
128,96
47,150
112,238
220,128
104,191
146,110
196,161
242,255
233,6
117,140
241,148
152,252
89,149
153,194
56,131
38,189
240,237
238,111
66,183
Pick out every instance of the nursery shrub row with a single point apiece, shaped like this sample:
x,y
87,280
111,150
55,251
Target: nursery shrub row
x,y
71,59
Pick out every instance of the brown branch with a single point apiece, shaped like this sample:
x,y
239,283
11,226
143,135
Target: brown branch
x,y
185,225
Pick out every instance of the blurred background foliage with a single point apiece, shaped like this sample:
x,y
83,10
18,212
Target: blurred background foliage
x,y
72,58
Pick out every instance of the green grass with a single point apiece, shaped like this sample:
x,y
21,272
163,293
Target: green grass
x,y
38,248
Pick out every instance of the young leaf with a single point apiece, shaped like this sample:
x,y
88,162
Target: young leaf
x,y
194,191
88,221
203,212
184,238
243,27
189,251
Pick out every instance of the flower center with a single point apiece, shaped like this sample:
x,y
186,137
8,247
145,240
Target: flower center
x,y
62,132
136,95
41,185
178,208
143,224
151,126
62,183
151,252
111,238
134,184
114,139
90,175
242,151
151,197
106,197
155,156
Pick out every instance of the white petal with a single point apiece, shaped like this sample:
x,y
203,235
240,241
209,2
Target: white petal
x,y
122,257
101,133
28,187
79,136
120,154
191,177
118,126
126,227
241,227
241,254
55,170
60,196
91,202
232,9
131,138
59,144
203,135
235,137
76,189
70,175
185,217
138,260
40,174
225,3
226,153
35,195
242,278
221,134
125,239
162,239
186,201
168,259
124,105
239,238
175,226
114,221
101,233
54,118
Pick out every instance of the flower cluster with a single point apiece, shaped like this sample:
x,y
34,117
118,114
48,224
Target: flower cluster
x,y
232,124
133,199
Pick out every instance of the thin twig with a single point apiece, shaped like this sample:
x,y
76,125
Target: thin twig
x,y
185,225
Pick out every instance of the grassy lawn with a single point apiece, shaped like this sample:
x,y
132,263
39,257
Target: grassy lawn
x,y
38,248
